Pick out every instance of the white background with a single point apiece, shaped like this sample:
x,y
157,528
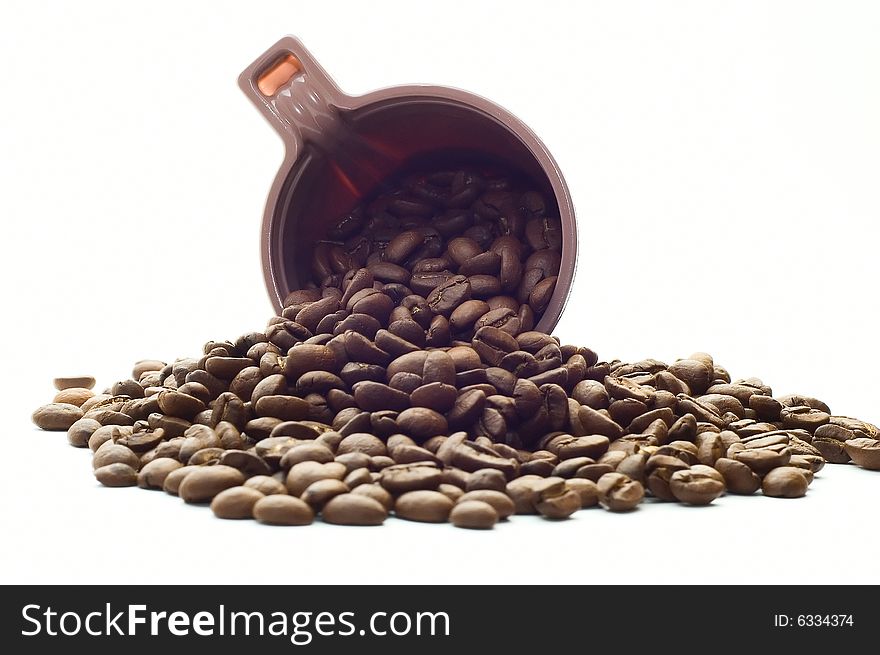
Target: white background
x,y
724,161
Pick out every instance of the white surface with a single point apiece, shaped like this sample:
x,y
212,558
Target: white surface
x,y
723,158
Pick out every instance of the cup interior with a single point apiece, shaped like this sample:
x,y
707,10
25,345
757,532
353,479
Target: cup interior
x,y
378,142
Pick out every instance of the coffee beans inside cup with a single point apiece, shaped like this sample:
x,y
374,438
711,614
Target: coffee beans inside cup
x,y
407,379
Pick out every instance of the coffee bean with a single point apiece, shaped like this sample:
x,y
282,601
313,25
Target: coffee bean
x,y
304,358
358,477
695,374
319,492
557,502
423,505
245,461
175,478
309,451
865,452
803,417
785,482
153,474
762,460
301,475
354,509
696,486
466,315
374,396
401,478
492,344
280,509
205,482
738,477
362,443
473,514
498,500
376,492
266,485
491,479
618,493
449,295
82,382
588,491
595,422
56,416
235,503
540,295
77,395
116,475
79,433
421,423
111,453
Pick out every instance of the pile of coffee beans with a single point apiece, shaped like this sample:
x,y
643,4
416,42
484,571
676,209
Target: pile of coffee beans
x,y
408,379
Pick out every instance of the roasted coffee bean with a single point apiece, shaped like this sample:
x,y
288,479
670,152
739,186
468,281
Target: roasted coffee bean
x,y
699,485
408,452
486,479
450,294
540,295
235,503
111,453
802,417
498,500
437,396
492,344
354,509
152,475
245,461
587,490
659,470
785,482
555,502
375,396
473,514
797,400
79,433
82,381
301,475
78,395
320,492
738,477
762,460
400,478
596,422
865,452
56,416
467,409
618,493
423,505
286,408
695,374
421,423
116,475
305,357
266,485
377,493
205,482
176,477
280,509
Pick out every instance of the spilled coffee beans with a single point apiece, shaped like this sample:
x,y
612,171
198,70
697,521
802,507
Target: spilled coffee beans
x,y
407,379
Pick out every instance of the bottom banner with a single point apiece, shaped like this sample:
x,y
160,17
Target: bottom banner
x,y
431,618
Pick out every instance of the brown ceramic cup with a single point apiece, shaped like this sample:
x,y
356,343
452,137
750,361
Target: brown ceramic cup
x,y
340,148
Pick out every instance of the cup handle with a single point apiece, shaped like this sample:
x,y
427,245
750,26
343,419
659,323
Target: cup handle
x,y
295,94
